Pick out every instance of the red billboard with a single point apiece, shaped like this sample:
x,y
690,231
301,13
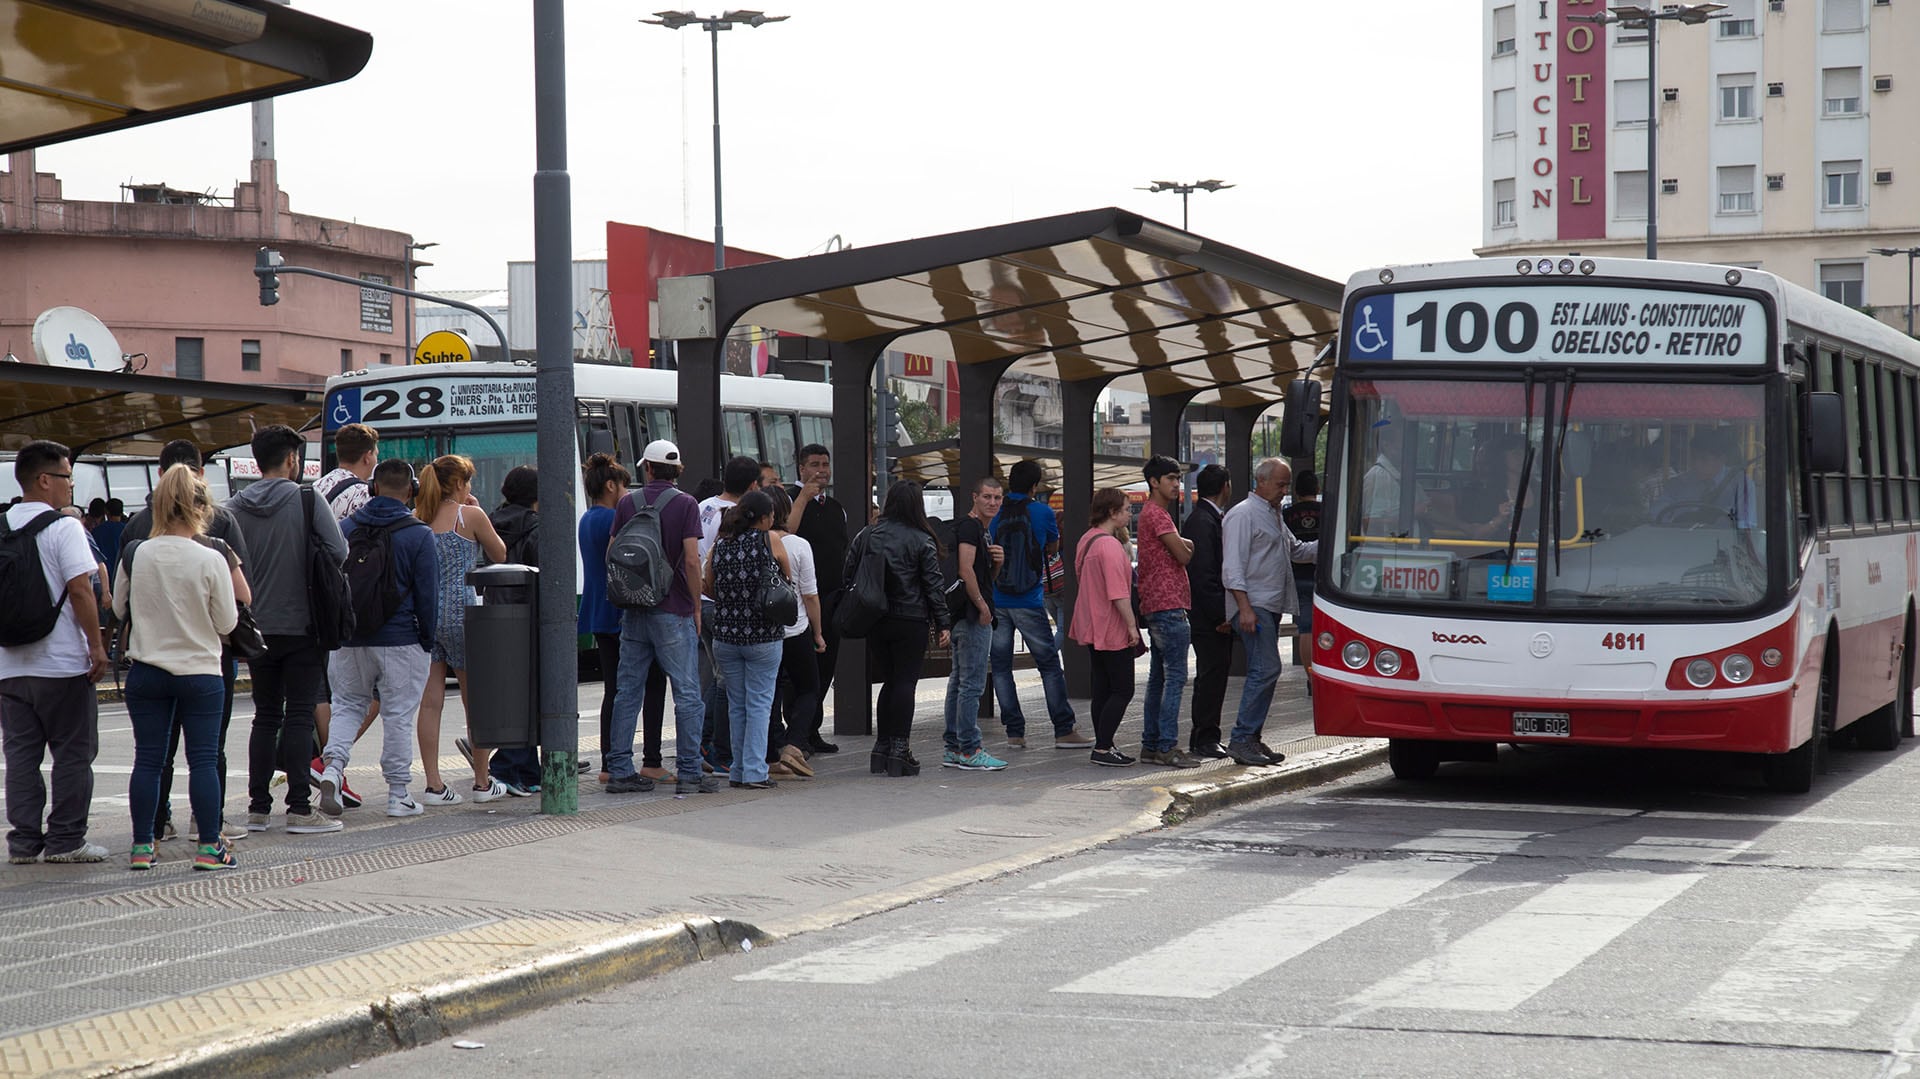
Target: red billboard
x,y
637,258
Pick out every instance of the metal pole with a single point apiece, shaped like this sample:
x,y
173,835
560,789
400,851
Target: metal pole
x,y
553,314
1911,251
1183,211
499,334
719,232
1653,147
408,334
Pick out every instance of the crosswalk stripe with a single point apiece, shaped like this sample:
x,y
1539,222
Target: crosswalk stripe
x,y
1675,848
1502,963
1469,841
1886,858
1826,963
1215,958
877,959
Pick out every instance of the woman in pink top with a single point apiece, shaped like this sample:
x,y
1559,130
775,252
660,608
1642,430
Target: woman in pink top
x,y
1103,619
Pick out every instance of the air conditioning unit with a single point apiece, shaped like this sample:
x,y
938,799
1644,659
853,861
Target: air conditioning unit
x,y
1882,176
1669,187
1882,83
1776,181
1776,5
1882,3
1776,89
1670,93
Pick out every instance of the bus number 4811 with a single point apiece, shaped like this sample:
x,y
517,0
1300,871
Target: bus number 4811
x,y
1625,642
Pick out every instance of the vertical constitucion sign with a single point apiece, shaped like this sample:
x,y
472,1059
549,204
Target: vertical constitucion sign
x,y
1581,122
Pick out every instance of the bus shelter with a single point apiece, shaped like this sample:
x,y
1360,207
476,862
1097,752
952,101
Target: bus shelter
x,y
1097,299
103,412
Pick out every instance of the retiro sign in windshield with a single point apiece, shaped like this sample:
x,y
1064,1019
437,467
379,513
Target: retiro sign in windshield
x,y
1557,324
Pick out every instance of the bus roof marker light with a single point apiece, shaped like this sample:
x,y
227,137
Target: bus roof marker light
x,y
1386,277
1733,277
1544,266
1587,267
1525,267
1566,266
1700,673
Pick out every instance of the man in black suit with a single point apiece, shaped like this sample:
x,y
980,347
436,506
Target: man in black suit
x,y
1212,634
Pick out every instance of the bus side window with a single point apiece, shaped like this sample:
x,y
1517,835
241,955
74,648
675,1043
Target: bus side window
x,y
815,431
743,434
781,435
627,440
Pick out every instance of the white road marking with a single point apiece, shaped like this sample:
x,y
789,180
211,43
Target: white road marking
x,y
1826,963
1679,848
1501,964
1215,958
1886,858
1470,841
878,958
1496,807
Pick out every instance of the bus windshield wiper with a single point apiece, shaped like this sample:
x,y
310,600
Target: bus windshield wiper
x,y
1526,469
1559,456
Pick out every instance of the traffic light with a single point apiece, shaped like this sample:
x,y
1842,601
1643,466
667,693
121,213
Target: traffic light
x,y
265,261
887,417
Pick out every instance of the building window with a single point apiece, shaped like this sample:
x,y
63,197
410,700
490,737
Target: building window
x,y
1502,203
249,355
386,358
1503,114
1736,96
1842,184
1738,20
1840,91
1630,194
190,357
1844,282
1736,189
346,360
1503,36
1629,101
1844,15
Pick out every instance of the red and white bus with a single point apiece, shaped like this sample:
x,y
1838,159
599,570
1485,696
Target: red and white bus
x,y
1615,503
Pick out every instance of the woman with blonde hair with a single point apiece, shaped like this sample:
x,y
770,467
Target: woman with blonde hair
x,y
177,597
459,539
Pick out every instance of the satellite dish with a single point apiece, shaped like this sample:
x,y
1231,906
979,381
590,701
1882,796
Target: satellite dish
x,y
70,337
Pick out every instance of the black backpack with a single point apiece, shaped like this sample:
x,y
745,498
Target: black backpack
x,y
865,603
329,600
369,572
28,608
1023,561
639,569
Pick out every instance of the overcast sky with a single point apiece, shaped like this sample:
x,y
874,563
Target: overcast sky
x,y
1351,129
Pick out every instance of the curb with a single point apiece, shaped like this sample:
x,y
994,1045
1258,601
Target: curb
x,y
412,1018
1191,800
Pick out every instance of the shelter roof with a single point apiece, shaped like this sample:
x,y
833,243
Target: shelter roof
x,y
104,412
1100,294
937,464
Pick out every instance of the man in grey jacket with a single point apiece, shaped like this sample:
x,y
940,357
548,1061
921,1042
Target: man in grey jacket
x,y
274,518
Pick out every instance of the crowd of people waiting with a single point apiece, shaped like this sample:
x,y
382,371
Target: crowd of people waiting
x,y
735,597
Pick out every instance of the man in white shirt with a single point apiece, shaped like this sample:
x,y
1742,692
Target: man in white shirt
x,y
47,704
1257,553
349,486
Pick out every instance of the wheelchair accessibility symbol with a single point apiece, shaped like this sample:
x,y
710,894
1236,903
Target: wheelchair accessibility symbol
x,y
1373,335
343,409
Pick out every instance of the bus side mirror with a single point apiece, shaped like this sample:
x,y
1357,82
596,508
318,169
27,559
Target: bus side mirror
x,y
1576,454
1826,425
1300,424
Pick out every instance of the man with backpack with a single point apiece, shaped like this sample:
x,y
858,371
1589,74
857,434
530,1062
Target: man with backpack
x,y
1027,531
284,525
51,654
393,573
651,560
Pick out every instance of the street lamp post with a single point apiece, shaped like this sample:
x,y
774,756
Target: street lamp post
x,y
1648,18
713,24
1910,252
1184,190
414,264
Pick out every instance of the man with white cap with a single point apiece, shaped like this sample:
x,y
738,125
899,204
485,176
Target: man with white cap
x,y
667,634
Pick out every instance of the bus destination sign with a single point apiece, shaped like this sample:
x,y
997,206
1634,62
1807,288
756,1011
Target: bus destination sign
x,y
1586,324
434,402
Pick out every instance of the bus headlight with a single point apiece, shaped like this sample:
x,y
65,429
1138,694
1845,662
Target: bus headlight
x,y
1354,655
1700,673
1737,668
1387,662
1325,640
1771,657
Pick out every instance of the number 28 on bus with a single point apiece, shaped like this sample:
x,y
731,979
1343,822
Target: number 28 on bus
x,y
1614,502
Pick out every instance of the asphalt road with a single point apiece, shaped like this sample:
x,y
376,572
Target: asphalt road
x,y
1564,913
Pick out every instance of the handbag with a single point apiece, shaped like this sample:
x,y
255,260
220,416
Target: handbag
x,y
778,601
245,638
865,602
1055,577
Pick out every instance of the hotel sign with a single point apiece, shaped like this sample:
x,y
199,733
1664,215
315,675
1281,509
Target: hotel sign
x,y
1569,105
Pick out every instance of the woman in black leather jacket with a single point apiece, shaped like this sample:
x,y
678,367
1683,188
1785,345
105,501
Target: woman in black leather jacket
x,y
916,598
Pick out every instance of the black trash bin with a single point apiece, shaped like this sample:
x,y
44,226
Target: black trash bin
x,y
503,657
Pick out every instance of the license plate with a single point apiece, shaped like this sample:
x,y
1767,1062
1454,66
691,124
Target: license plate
x,y
1543,724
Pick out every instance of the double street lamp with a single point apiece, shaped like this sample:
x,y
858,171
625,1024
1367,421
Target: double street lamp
x,y
1648,17
1184,190
713,24
1911,253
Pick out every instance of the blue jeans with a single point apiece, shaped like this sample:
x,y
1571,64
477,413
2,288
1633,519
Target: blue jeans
x,y
749,671
1263,672
971,644
1166,678
155,699
649,636
1038,633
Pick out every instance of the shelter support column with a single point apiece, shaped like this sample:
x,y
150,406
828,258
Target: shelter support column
x,y
852,363
978,384
1240,424
1077,400
699,432
1164,427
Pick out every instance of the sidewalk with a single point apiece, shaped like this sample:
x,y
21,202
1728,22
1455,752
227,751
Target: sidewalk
x,y
324,949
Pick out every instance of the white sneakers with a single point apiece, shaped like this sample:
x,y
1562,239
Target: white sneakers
x,y
400,805
330,783
311,824
495,790
446,796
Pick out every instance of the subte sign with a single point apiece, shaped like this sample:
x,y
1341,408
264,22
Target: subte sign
x,y
443,346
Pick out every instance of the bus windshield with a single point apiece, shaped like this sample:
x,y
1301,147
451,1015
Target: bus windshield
x,y
494,454
1655,501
